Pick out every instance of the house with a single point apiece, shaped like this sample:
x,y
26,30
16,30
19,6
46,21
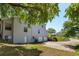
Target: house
x,y
18,32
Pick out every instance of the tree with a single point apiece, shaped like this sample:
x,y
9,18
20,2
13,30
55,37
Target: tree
x,y
72,26
30,13
51,30
69,32
72,13
69,29
68,24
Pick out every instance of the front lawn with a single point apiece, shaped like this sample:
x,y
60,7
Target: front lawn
x,y
30,50
76,49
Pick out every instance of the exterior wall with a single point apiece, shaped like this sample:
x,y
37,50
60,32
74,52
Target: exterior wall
x,y
1,29
6,32
19,36
42,33
25,37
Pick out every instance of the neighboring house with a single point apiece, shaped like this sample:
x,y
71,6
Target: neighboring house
x,y
18,32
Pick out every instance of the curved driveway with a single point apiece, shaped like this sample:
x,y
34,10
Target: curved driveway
x,y
64,45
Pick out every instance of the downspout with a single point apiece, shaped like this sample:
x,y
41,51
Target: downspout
x,y
30,27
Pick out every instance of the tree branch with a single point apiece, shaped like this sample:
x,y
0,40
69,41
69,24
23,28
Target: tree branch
x,y
25,7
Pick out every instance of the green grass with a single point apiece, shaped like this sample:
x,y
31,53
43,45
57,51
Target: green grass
x,y
61,38
7,49
31,50
76,49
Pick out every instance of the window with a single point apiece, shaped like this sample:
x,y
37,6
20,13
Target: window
x,y
25,29
38,31
8,26
42,26
6,37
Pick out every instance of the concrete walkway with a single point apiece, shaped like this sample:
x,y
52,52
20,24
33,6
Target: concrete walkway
x,y
66,45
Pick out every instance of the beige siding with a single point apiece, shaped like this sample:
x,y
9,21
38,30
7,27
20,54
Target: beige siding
x,y
6,32
25,37
19,36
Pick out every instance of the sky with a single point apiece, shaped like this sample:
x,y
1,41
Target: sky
x,y
57,23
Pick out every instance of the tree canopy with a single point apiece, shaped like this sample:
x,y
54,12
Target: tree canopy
x,y
68,24
32,13
51,30
71,27
72,13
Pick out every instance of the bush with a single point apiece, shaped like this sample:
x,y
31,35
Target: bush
x,y
5,41
61,38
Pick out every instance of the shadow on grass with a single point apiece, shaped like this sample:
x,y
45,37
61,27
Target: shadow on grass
x,y
70,46
18,51
73,47
76,47
37,43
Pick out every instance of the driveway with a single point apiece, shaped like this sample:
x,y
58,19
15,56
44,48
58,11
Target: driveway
x,y
65,45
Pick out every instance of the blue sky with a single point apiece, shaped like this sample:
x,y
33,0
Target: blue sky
x,y
57,23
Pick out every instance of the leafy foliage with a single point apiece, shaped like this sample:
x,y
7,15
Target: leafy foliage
x,y
68,24
71,27
61,38
30,13
51,30
72,12
70,33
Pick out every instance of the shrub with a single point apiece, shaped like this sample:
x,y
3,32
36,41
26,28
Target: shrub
x,y
61,38
5,41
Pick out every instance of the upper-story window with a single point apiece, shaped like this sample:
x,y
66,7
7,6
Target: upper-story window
x,y
25,29
38,31
42,26
8,26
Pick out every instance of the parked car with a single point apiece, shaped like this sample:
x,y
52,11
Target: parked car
x,y
49,39
52,39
